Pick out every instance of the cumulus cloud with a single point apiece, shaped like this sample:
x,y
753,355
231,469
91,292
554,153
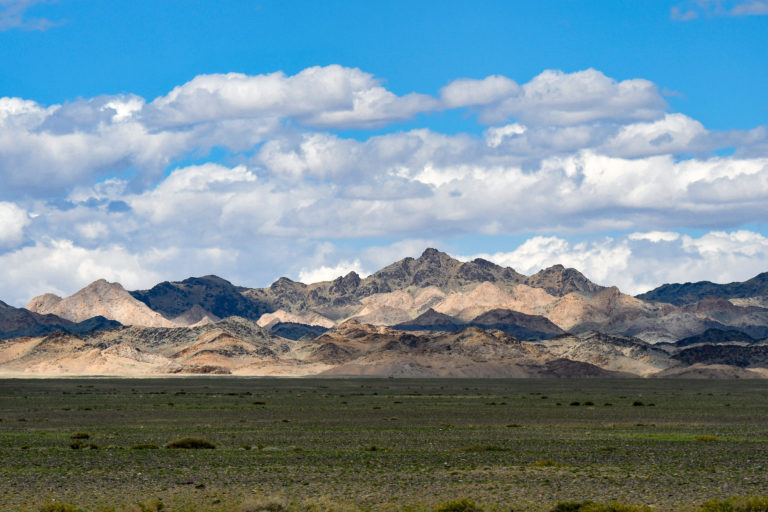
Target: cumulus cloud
x,y
555,98
466,92
655,236
574,154
13,220
49,151
318,96
325,273
61,267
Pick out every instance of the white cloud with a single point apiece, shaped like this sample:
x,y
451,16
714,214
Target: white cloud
x,y
61,267
466,92
655,236
495,135
601,261
326,273
674,133
332,96
573,154
555,98
13,220
92,230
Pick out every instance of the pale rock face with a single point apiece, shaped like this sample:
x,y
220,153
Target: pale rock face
x,y
534,298
485,297
392,308
196,316
102,298
267,320
43,303
760,302
399,299
427,298
572,310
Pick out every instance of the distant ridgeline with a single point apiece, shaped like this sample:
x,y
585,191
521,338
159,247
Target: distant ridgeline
x,y
427,316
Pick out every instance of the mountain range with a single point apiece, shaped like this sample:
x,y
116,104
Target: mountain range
x,y
428,316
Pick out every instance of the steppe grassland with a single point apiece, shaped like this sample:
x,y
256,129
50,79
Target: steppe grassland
x,y
379,444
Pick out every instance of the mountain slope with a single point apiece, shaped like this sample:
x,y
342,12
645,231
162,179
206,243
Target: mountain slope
x,y
688,293
101,298
212,294
17,322
341,298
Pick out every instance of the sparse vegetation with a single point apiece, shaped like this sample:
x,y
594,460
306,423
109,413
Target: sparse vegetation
x,y
549,463
463,505
191,443
590,506
737,504
145,446
448,443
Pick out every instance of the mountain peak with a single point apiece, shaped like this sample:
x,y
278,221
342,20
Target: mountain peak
x,y
559,280
431,252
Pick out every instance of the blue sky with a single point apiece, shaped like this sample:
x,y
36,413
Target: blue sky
x,y
714,65
627,139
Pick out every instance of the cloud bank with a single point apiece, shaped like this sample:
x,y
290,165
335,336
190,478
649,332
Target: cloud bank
x,y
251,177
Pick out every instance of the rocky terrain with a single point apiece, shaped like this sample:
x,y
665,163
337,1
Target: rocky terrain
x,y
426,316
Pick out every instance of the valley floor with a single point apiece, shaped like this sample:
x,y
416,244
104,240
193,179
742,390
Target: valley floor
x,y
380,444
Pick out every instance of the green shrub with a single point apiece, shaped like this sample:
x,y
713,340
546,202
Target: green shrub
x,y
590,506
737,504
707,439
191,443
464,505
570,506
145,446
80,435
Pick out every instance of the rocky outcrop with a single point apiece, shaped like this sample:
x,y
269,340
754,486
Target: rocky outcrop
x,y
214,295
689,293
715,336
101,298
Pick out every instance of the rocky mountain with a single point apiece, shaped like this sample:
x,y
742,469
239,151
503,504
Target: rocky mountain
x,y
18,322
514,323
99,298
340,298
689,293
520,325
238,346
725,354
197,297
716,336
358,349
294,331
432,315
616,353
431,320
232,346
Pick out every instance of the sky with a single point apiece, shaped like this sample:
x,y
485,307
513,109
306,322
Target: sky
x,y
151,141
